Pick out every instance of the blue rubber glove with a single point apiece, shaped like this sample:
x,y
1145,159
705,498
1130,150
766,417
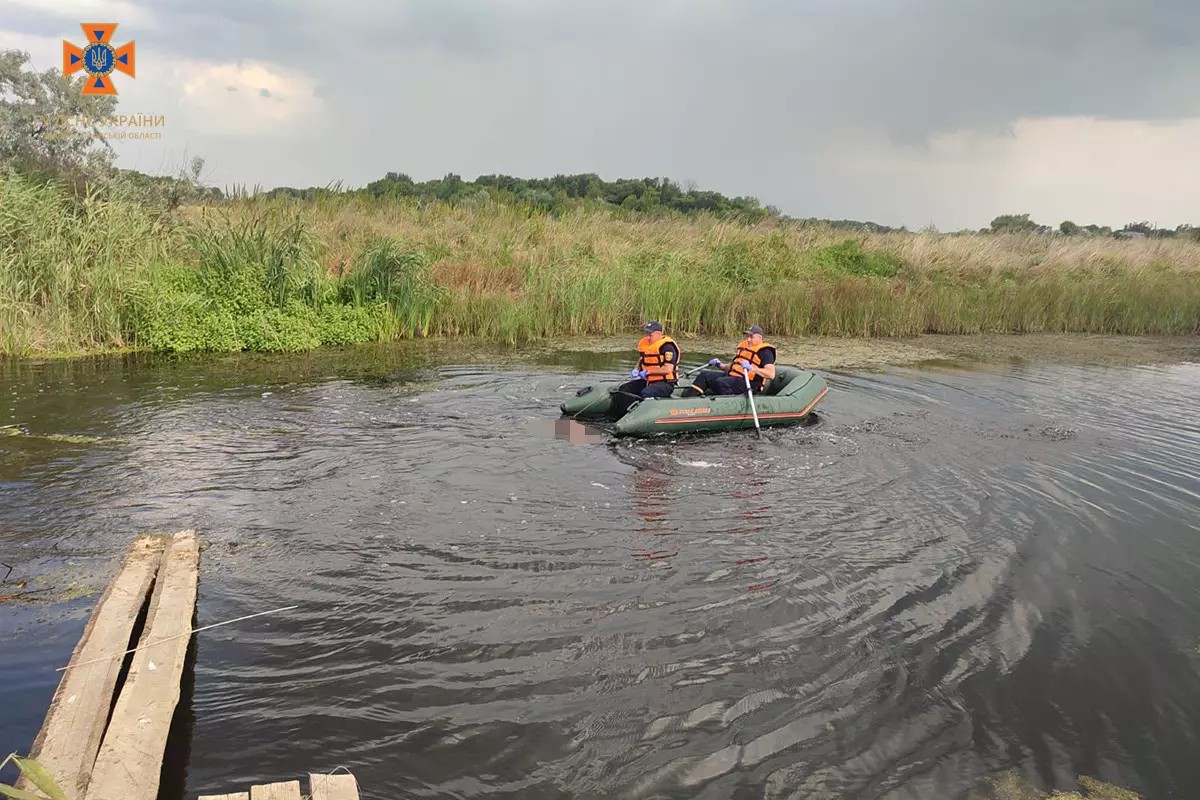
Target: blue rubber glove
x,y
745,365
643,374
633,376
716,362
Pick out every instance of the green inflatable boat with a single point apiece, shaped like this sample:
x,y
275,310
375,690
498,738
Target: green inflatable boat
x,y
787,398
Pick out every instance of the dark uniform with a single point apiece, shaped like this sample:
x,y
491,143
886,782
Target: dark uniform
x,y
656,373
733,380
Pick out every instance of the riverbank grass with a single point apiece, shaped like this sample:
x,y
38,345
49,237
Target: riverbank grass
x,y
102,272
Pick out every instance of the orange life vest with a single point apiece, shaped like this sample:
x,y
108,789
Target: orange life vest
x,y
749,352
659,366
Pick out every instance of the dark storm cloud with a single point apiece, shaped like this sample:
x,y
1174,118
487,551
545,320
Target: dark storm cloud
x,y
909,69
35,22
776,98
308,32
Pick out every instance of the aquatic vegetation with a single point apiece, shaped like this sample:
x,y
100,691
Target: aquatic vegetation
x,y
70,438
1010,786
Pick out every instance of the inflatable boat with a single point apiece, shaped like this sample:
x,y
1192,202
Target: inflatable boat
x,y
788,398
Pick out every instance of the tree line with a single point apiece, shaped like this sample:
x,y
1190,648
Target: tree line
x,y
562,192
34,142
1021,223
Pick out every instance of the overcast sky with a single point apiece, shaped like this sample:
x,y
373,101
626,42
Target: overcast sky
x,y
905,112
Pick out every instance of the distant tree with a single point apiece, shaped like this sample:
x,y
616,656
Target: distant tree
x,y
538,198
1069,228
1013,223
449,186
1144,228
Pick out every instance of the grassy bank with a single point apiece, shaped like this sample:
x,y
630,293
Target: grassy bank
x,y
101,273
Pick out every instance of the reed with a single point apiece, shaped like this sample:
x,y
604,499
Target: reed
x,y
279,274
68,268
513,275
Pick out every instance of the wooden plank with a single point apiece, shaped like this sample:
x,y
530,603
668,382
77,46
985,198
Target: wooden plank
x,y
71,734
332,787
242,796
129,763
276,791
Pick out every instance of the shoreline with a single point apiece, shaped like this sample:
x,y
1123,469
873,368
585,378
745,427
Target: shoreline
x,y
819,352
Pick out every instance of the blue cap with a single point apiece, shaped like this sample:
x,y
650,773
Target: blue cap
x,y
652,326
753,329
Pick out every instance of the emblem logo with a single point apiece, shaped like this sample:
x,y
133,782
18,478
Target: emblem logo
x,y
99,59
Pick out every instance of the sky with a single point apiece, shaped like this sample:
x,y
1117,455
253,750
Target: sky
x,y
941,113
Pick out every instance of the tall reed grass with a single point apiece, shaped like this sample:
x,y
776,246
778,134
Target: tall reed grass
x,y
512,275
68,267
276,274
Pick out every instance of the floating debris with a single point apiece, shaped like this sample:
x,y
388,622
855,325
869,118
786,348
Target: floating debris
x,y
21,429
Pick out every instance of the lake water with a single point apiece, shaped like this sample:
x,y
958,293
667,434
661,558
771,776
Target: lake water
x,y
958,571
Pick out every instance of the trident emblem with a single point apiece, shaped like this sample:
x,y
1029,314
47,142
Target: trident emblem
x,y
99,58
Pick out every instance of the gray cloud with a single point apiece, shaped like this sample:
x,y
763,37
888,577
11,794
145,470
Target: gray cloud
x,y
748,97
914,68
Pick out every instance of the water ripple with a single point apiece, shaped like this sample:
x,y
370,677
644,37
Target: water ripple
x,y
954,573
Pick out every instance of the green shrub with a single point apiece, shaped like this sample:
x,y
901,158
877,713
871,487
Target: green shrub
x,y
848,258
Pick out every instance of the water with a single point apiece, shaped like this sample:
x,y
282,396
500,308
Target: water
x,y
960,570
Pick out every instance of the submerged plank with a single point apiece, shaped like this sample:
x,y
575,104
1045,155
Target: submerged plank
x,y
71,734
332,787
276,791
129,763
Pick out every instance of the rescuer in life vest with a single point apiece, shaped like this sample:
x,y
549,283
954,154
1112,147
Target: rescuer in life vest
x,y
657,370
754,357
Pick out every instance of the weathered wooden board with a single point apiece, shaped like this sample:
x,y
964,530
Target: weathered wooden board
x,y
73,729
129,763
276,791
332,787
242,796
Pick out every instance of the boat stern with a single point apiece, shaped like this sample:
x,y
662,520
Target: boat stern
x,y
590,401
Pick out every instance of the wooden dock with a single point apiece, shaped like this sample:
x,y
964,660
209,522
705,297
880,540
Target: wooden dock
x,y
106,732
149,605
320,787
73,730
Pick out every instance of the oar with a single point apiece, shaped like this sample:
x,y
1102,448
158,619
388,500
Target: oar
x,y
750,394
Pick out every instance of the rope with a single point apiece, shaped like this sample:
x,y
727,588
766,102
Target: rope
x,y
170,638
